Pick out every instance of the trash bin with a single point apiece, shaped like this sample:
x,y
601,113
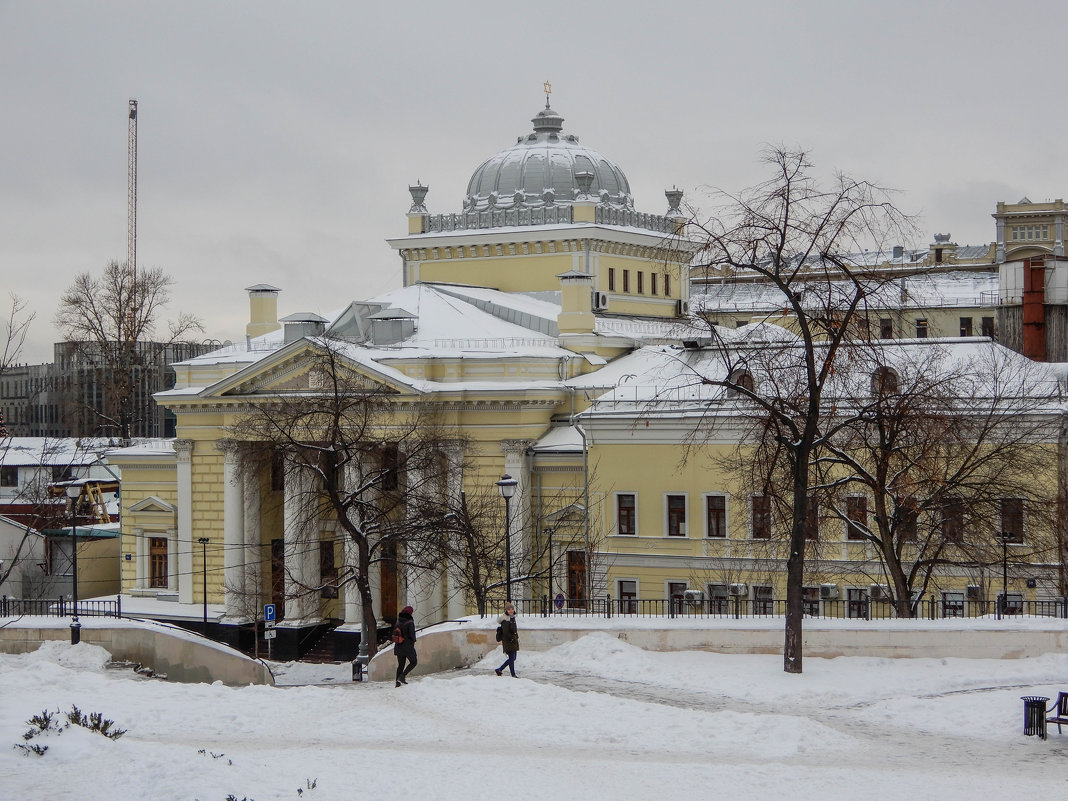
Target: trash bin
x,y
1035,715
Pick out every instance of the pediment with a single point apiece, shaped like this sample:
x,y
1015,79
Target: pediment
x,y
304,371
154,504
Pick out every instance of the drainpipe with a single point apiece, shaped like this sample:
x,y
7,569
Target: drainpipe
x,y
1034,309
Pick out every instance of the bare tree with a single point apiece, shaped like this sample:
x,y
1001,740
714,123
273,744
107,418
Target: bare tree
x,y
16,328
801,239
111,323
355,454
951,450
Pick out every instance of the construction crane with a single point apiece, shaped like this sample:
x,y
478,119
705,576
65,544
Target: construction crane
x,y
131,210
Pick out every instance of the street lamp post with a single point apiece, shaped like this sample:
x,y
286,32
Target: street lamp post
x,y
507,486
1003,600
74,492
204,558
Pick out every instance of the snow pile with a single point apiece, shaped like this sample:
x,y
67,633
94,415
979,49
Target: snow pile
x,y
595,718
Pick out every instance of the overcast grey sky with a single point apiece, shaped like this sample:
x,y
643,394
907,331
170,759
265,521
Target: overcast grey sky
x,y
277,140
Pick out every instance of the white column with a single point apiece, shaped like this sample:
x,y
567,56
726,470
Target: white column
x,y
301,547
454,585
252,536
141,548
352,603
172,559
234,584
184,450
516,464
423,588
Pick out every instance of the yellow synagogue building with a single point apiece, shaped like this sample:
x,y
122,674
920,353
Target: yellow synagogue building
x,y
548,323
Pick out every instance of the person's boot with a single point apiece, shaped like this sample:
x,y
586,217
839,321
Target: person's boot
x,y
497,671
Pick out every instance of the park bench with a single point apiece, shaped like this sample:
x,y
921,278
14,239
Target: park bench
x,y
1060,712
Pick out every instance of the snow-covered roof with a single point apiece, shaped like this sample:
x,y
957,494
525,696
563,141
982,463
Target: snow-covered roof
x,y
672,377
57,451
948,289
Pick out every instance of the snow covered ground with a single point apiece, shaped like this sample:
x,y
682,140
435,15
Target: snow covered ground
x,y
592,719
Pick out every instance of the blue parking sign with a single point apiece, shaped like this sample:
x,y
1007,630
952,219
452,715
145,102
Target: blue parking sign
x,y
268,612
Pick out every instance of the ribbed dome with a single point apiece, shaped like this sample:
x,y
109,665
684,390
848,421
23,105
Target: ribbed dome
x,y
546,167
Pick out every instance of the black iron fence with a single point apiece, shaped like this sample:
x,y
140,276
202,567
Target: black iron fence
x,y
58,607
742,607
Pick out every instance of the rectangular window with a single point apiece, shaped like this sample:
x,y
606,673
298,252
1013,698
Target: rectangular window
x,y
921,329
987,327
763,600
761,517
676,596
9,476
965,326
1014,603
886,328
626,513
810,601
626,280
953,604
652,283
857,603
1012,514
857,514
641,282
907,516
628,596
327,569
676,515
952,519
812,520
576,579
718,599
611,279
667,285
715,516
157,562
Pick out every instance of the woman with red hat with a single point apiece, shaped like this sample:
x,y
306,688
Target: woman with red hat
x,y
404,648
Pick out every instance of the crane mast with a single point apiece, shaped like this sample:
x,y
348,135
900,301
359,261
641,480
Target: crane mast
x,y
131,213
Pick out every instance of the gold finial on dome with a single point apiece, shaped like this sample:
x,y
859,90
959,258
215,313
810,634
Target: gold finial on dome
x,y
548,91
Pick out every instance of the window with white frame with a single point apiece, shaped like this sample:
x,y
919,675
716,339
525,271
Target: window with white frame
x,y
628,596
856,517
626,513
761,517
1012,516
716,516
719,599
676,515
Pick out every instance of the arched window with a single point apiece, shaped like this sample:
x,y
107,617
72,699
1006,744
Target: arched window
x,y
884,381
742,379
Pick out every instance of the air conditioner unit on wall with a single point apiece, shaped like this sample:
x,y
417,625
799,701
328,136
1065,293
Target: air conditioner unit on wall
x,y
971,592
828,592
682,307
600,301
879,592
737,589
693,595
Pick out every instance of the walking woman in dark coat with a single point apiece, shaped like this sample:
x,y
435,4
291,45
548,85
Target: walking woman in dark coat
x,y
405,649
509,639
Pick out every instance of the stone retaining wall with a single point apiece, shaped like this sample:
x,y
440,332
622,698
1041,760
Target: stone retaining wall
x,y
178,656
